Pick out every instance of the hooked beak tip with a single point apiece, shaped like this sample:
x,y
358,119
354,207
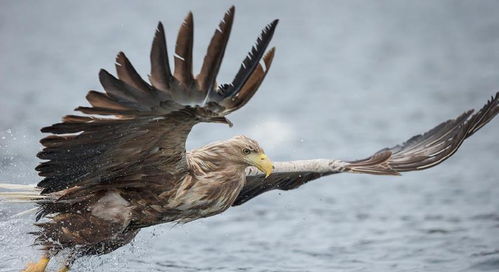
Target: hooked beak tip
x,y
265,165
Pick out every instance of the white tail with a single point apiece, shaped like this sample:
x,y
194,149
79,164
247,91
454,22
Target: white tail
x,y
23,193
11,186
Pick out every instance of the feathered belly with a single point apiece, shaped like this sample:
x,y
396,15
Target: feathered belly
x,y
203,198
196,197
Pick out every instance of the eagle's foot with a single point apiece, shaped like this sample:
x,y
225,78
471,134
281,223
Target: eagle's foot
x,y
37,267
64,269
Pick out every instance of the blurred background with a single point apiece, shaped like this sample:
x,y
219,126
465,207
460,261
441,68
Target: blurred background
x,y
349,78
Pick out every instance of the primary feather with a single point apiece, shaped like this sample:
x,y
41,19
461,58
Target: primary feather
x,y
419,152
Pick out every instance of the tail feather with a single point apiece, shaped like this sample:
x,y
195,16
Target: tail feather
x,y
11,186
22,193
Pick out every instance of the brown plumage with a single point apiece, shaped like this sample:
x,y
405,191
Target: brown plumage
x,y
107,177
86,218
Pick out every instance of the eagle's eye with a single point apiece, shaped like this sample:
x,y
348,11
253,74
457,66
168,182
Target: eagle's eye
x,y
246,151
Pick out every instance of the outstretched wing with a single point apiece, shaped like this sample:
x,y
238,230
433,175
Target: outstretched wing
x,y
418,153
134,134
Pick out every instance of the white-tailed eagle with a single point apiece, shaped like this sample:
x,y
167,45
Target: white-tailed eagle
x,y
121,165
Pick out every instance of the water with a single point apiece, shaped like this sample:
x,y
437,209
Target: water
x,y
349,78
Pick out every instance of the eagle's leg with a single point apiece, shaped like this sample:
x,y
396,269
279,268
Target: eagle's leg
x,y
65,268
68,262
39,266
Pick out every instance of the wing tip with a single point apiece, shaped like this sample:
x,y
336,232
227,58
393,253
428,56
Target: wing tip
x,y
120,58
105,77
271,26
188,20
103,73
229,14
228,18
160,28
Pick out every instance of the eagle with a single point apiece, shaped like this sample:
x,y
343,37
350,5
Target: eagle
x,y
121,164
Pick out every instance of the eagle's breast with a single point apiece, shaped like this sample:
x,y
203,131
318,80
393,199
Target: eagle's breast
x,y
208,194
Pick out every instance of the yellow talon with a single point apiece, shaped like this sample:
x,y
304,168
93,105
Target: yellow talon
x,y
64,269
37,267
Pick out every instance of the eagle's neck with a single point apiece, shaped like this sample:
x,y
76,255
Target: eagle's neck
x,y
214,158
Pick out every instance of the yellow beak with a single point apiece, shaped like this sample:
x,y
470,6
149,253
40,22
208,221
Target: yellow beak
x,y
262,162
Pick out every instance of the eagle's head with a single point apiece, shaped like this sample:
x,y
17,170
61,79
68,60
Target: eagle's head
x,y
251,153
239,150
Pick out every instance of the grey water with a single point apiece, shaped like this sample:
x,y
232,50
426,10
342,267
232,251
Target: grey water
x,y
349,78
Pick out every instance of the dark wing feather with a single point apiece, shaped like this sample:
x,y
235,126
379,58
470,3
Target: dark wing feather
x,y
249,65
118,90
161,75
215,53
437,145
418,153
101,100
127,73
251,86
183,52
143,141
256,184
